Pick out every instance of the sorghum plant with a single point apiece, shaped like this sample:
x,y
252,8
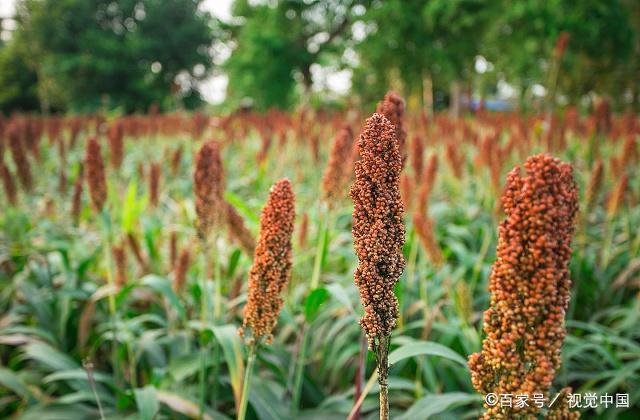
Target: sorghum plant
x,y
529,286
378,233
269,275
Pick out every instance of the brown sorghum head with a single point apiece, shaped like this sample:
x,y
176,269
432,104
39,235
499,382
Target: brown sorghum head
x,y
378,229
120,261
173,250
417,154
134,245
594,185
76,200
616,198
94,165
529,285
115,135
9,185
19,155
271,269
181,268
406,190
154,183
237,229
303,230
427,182
424,228
208,186
338,170
176,158
392,107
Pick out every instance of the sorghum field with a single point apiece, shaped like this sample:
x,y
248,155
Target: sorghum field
x,y
313,265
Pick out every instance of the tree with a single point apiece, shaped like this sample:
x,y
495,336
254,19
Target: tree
x,y
417,41
126,54
276,43
18,82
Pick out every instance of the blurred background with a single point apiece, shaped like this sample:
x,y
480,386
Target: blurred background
x,y
124,56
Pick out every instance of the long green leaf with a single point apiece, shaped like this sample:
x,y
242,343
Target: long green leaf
x,y
429,348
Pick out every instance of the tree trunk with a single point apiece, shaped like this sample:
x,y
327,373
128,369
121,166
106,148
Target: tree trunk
x,y
454,100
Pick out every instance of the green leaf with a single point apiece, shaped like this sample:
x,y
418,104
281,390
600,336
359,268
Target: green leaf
x,y
340,293
51,358
227,336
431,405
10,380
425,348
147,402
239,204
65,375
234,259
313,302
162,285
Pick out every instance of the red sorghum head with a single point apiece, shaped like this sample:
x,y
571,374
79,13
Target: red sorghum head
x,y
392,107
237,229
271,269
378,229
208,186
529,285
339,167
94,165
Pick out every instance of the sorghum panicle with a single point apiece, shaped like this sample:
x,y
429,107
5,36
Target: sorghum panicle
x,y
303,230
154,183
120,261
115,137
271,269
237,229
338,170
529,285
134,245
96,180
181,268
208,186
616,198
19,155
594,185
378,229
417,154
173,249
9,185
392,107
76,199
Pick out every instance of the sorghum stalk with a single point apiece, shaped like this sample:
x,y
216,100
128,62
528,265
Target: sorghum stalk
x,y
208,186
529,286
379,234
269,275
97,183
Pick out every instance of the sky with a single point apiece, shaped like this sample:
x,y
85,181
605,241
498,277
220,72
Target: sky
x,y
214,88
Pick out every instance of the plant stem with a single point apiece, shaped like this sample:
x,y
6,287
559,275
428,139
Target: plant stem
x,y
251,361
203,319
106,220
297,387
382,359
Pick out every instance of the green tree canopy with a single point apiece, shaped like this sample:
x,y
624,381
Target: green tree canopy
x,y
125,54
